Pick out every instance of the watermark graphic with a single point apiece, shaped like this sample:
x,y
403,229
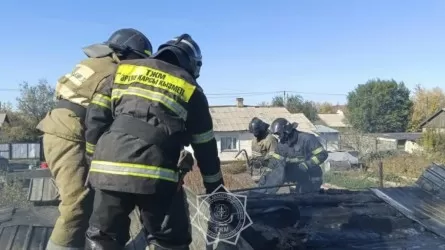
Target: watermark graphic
x,y
221,216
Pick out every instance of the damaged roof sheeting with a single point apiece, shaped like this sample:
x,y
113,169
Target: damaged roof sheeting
x,y
24,237
43,190
423,203
388,218
335,219
26,228
30,228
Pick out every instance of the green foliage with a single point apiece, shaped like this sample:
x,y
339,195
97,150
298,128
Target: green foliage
x,y
326,108
379,106
433,141
426,102
296,104
35,101
354,180
32,105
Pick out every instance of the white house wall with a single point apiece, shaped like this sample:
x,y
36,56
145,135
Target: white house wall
x,y
244,141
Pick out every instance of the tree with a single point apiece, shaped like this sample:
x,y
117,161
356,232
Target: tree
x,y
326,108
263,104
296,104
379,106
32,105
35,101
425,103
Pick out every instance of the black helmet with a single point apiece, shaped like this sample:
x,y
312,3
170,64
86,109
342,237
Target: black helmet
x,y
187,53
125,41
257,127
282,128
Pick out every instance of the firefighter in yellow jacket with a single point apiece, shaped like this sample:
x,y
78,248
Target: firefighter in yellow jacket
x,y
153,108
263,143
63,128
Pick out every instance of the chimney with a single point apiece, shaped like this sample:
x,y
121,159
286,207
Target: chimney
x,y
239,102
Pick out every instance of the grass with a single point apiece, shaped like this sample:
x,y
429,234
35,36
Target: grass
x,y
235,167
400,169
349,179
234,178
407,165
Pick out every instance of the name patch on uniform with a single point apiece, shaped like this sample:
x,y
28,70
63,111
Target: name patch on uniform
x,y
80,74
127,74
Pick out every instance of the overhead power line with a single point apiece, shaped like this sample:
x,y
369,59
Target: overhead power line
x,y
6,90
241,94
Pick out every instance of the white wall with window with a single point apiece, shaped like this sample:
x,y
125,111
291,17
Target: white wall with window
x,y
230,143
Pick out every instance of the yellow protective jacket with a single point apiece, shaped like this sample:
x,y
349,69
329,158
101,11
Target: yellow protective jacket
x,y
74,92
263,147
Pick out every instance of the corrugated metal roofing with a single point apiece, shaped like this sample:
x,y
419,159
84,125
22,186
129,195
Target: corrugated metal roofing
x,y
418,205
24,237
333,120
228,118
424,203
43,190
31,228
6,213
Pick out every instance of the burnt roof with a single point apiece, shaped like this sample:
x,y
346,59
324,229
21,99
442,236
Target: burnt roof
x,y
385,218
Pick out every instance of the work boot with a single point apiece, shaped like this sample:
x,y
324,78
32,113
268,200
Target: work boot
x,y
96,240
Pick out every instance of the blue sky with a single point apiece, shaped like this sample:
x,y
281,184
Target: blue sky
x,y
322,49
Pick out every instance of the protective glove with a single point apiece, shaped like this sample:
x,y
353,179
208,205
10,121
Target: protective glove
x,y
314,170
303,167
186,161
185,165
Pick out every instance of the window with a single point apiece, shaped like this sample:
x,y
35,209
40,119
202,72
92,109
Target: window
x,y
229,143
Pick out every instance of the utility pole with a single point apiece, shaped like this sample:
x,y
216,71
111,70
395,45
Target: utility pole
x,y
284,98
426,108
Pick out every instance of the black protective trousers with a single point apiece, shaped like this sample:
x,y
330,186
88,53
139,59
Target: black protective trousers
x,y
110,223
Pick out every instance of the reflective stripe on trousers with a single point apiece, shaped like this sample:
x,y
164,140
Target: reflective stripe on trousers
x,y
212,178
130,169
203,137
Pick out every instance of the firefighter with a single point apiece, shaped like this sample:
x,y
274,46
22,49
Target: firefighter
x,y
158,108
297,158
263,143
63,128
304,154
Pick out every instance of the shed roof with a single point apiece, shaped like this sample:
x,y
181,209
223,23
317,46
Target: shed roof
x,y
399,136
325,129
431,117
43,190
333,120
232,118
